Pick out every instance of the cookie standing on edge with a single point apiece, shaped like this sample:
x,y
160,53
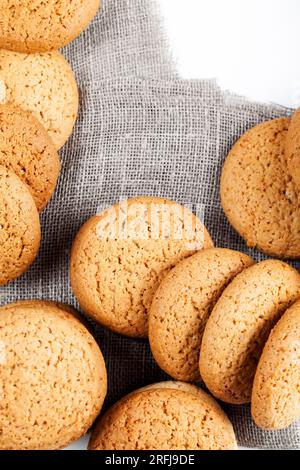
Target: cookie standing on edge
x,y
53,377
239,326
26,149
258,194
43,84
182,305
275,400
43,26
20,231
293,147
166,416
119,258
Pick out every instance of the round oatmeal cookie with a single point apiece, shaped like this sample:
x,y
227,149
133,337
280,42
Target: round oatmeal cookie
x,y
52,376
119,258
39,26
182,304
275,402
166,416
240,324
43,84
258,193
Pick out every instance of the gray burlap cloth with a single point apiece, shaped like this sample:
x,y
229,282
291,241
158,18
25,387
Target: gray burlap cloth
x,y
141,130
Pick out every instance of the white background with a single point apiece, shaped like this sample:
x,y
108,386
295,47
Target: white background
x,y
251,47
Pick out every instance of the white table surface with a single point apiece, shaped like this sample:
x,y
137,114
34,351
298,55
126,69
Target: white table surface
x,y
251,47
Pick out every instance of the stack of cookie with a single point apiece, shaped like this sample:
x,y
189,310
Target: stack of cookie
x,y
210,320
38,109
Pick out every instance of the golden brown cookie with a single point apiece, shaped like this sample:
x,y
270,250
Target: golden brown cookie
x,y
258,194
119,258
52,376
20,231
182,305
165,416
39,26
41,303
275,400
239,326
43,84
177,385
26,148
293,148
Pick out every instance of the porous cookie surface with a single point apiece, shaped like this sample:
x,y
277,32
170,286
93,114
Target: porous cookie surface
x,y
43,84
177,385
275,400
258,193
119,258
182,305
293,148
36,303
185,387
239,326
26,148
20,231
164,418
52,375
39,26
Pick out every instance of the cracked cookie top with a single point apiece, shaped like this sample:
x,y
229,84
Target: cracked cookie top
x,y
41,26
169,416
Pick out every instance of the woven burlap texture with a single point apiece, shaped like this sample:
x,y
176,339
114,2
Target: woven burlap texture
x,y
141,130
